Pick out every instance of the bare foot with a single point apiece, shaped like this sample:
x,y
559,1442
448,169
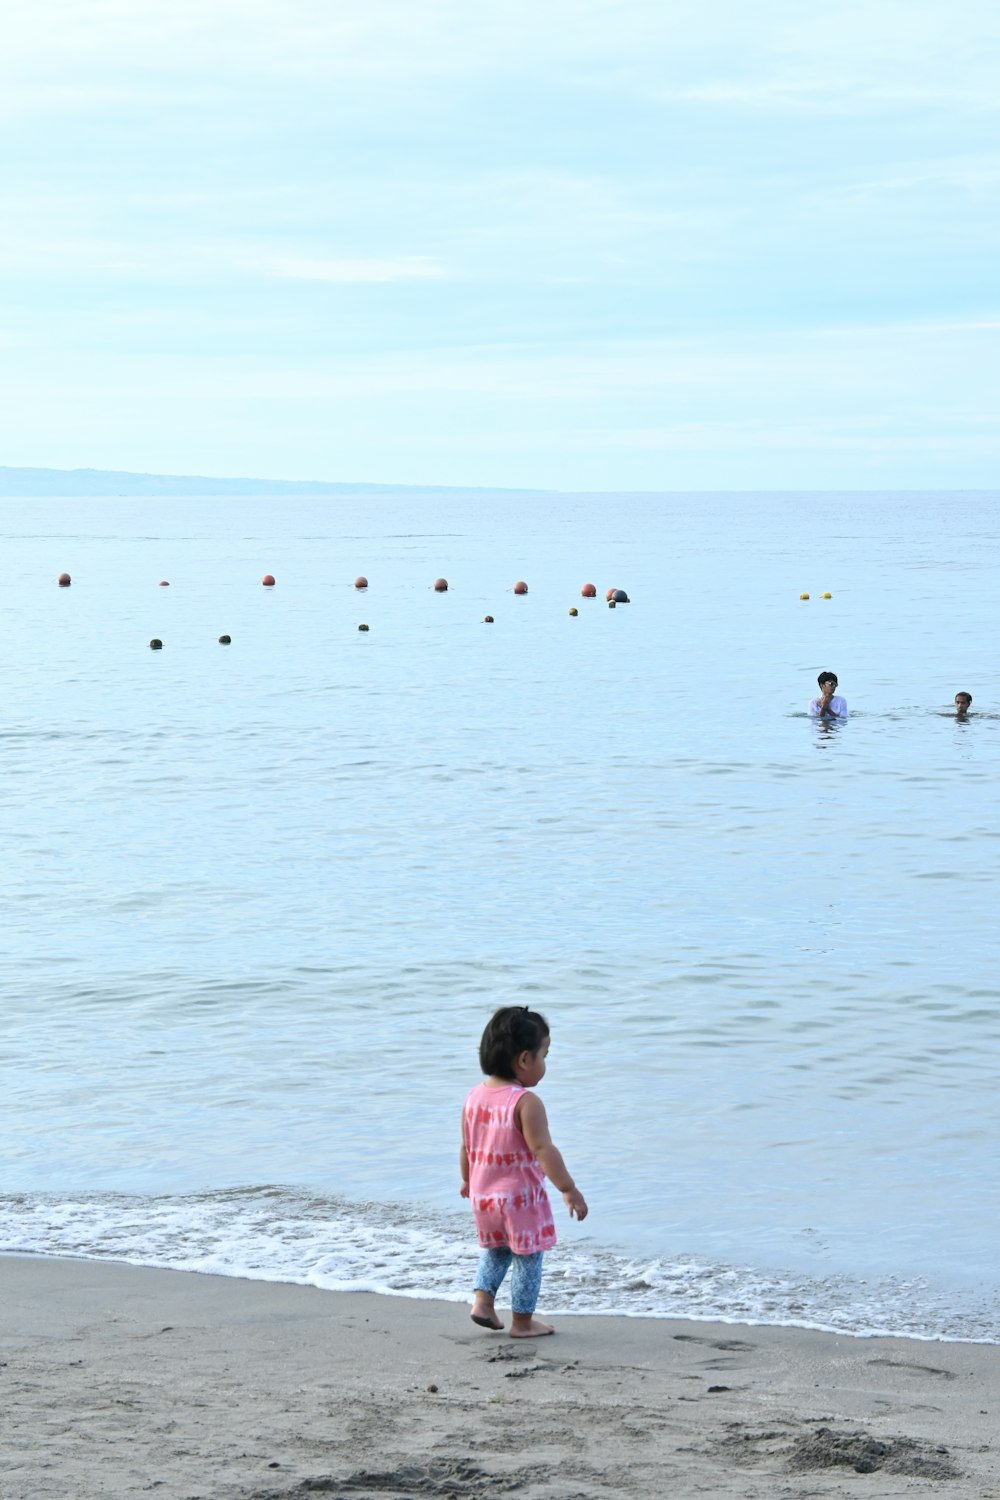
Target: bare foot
x,y
529,1328
482,1312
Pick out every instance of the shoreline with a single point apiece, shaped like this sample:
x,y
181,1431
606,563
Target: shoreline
x,y
719,1319
864,1308
119,1379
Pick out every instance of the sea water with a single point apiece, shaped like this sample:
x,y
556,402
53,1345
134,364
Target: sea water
x,y
260,899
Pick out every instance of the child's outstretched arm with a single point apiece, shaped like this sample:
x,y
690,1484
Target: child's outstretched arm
x,y
463,1163
534,1126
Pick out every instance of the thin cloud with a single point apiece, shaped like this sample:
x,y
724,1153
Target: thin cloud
x,y
376,269
191,259
976,178
849,435
830,96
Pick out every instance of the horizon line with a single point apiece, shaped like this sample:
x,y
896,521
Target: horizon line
x,y
9,472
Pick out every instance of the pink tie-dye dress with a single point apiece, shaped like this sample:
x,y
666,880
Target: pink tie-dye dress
x,y
506,1184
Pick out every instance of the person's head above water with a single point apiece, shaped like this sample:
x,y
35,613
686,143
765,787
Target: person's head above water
x,y
963,702
511,1031
825,677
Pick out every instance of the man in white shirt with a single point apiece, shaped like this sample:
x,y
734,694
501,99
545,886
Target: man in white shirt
x,y
828,705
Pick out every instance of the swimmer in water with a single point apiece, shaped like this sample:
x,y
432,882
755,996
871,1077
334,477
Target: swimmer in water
x,y
963,702
828,705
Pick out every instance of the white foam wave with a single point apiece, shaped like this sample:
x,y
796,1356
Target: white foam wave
x,y
291,1235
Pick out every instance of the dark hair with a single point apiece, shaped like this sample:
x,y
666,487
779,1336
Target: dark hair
x,y
827,677
963,695
511,1030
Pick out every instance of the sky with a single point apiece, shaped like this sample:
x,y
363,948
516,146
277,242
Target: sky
x,y
561,244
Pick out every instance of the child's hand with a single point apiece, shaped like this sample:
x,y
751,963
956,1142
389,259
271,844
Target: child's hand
x,y
576,1203
464,1189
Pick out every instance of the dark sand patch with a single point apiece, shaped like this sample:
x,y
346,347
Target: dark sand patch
x,y
831,1448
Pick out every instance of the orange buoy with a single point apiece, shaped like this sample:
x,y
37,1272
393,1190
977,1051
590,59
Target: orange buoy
x,y
64,580
610,594
268,580
361,583
440,585
164,583
588,591
520,587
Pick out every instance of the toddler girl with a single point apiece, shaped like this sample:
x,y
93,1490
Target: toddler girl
x,y
506,1155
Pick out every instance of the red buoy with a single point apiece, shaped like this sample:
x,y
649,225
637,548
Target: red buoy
x,y
268,580
610,594
520,587
440,585
588,591
64,580
164,583
361,583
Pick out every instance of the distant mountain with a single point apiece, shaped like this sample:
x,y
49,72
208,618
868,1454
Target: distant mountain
x,y
68,483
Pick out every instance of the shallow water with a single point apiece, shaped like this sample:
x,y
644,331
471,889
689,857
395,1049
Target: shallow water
x,y
261,898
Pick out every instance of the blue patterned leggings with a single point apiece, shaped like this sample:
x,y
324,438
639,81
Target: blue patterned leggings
x,y
525,1282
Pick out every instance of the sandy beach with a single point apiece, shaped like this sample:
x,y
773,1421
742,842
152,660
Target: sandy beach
x,y
120,1381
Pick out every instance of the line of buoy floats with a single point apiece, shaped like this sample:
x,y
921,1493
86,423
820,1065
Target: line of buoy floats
x,y
589,590
613,598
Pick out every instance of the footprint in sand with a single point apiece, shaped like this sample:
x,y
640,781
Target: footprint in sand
x,y
904,1364
729,1345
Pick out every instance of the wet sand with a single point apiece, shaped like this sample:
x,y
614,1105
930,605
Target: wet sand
x,y
118,1382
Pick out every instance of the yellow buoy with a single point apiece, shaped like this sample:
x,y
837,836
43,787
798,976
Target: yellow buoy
x,y
803,596
826,596
574,611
